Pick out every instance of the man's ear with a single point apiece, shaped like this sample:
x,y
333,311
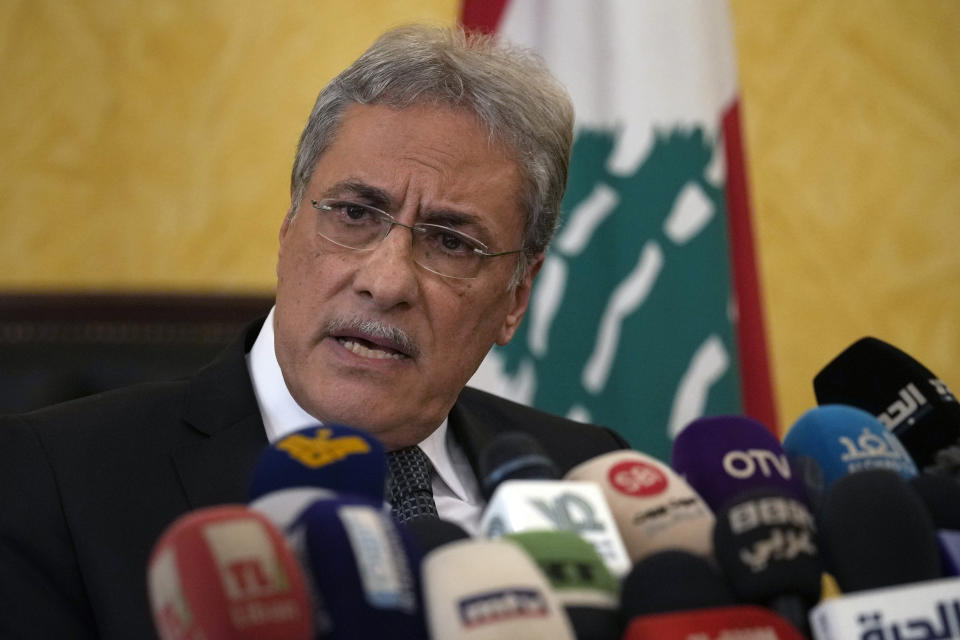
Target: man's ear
x,y
520,298
287,221
282,236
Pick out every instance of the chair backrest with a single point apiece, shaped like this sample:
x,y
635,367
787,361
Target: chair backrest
x,y
56,347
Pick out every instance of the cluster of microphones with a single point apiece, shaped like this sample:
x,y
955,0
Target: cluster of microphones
x,y
848,528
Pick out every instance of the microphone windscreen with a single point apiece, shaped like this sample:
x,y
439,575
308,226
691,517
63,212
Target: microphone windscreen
x,y
582,583
723,456
333,457
430,532
362,567
284,506
490,590
513,455
941,496
226,573
906,396
946,462
831,441
765,544
949,542
654,508
672,581
742,622
875,532
928,610
532,505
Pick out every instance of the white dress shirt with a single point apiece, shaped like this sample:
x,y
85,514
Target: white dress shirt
x,y
455,489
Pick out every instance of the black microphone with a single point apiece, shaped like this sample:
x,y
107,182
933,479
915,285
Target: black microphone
x,y
875,532
672,580
904,395
429,532
513,455
765,542
941,496
882,547
675,594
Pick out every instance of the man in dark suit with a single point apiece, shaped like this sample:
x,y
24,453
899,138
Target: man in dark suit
x,y
426,187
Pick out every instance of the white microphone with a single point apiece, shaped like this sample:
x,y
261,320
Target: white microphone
x,y
488,590
524,493
922,610
653,507
556,505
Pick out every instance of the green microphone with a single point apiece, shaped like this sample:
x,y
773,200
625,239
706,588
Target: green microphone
x,y
580,579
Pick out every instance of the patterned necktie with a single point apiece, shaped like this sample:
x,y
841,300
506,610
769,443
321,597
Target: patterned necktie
x,y
409,487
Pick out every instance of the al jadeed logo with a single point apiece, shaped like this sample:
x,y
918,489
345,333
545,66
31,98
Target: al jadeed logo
x,y
635,478
322,449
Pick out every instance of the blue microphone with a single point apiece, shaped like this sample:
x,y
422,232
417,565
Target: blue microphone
x,y
318,462
363,570
832,441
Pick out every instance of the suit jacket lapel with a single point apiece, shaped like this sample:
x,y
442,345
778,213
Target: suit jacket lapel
x,y
221,408
472,432
477,418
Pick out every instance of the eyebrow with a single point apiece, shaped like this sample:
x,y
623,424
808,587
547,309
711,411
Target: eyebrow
x,y
376,197
371,195
468,223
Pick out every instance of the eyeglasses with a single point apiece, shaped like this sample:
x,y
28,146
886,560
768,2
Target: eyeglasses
x,y
436,248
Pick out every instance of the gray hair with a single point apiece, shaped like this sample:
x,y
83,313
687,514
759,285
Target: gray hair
x,y
510,90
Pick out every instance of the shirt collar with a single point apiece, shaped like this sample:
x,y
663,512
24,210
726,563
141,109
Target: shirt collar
x,y
439,447
282,415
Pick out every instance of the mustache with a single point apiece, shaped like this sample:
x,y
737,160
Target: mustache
x,y
375,329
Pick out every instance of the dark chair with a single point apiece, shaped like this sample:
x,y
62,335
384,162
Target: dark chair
x,y
55,347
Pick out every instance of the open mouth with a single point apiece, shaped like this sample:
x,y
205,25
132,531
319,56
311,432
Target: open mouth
x,y
372,339
367,349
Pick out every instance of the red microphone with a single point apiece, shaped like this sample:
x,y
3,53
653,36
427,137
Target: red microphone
x,y
226,573
742,621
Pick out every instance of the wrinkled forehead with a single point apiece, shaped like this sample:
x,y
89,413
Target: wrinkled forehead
x,y
424,156
500,142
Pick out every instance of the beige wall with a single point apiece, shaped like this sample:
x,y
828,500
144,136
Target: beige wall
x,y
852,113
148,145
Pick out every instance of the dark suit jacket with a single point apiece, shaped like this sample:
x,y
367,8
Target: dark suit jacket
x,y
88,486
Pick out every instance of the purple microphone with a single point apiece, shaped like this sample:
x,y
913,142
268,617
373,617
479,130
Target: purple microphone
x,y
724,456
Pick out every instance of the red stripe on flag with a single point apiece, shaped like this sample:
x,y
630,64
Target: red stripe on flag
x,y
755,379
482,15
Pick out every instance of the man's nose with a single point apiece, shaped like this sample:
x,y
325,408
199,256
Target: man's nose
x,y
388,274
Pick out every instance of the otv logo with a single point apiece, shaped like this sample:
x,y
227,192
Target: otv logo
x,y
744,464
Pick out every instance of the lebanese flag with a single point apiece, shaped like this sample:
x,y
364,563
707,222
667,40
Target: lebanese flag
x,y
647,313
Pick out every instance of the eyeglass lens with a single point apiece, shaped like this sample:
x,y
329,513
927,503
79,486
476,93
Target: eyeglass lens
x,y
438,248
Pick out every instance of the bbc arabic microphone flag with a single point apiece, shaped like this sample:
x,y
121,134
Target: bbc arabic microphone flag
x,y
646,313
